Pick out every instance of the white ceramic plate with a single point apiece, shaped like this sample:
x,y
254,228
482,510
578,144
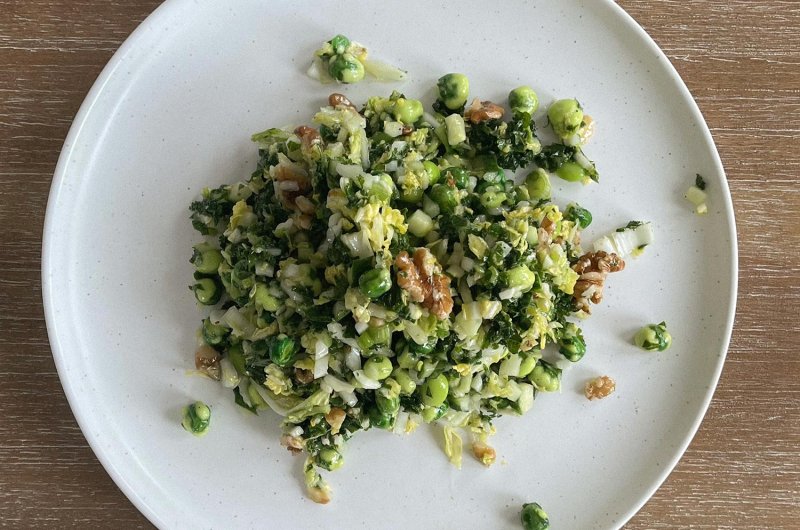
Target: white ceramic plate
x,y
173,111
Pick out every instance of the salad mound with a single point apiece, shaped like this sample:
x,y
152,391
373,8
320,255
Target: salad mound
x,y
384,269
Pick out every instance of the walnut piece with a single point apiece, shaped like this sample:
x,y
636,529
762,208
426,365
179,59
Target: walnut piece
x,y
486,454
336,100
599,387
206,360
408,277
303,376
291,184
423,280
308,136
335,418
319,495
293,443
592,268
480,111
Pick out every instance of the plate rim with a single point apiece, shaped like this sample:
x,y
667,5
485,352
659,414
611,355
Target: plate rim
x,y
61,358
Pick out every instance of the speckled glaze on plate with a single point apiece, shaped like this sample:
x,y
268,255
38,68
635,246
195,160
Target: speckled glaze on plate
x,y
173,111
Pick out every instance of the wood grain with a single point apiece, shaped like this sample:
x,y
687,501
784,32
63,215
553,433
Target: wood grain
x,y
741,61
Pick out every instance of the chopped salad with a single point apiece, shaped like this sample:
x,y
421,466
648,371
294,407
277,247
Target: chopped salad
x,y
384,268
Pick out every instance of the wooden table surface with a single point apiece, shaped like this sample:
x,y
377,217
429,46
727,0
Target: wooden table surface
x,y
739,58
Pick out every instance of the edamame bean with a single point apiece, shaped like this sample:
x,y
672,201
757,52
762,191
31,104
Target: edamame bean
x,y
207,291
407,111
196,418
407,385
379,419
534,517
378,367
434,390
453,90
570,342
566,117
459,176
523,99
434,173
214,334
545,377
206,259
571,172
330,459
387,404
339,44
538,185
653,337
445,196
431,414
375,282
346,68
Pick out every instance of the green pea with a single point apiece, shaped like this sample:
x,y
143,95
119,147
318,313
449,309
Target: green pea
x,y
453,90
527,365
582,216
492,198
330,459
378,419
387,404
378,367
434,174
534,517
431,414
375,335
407,111
207,291
408,359
236,356
571,172
375,282
538,185
523,99
282,350
435,390
570,342
214,334
459,176
519,194
566,117
407,385
346,68
206,259
196,418
520,277
339,44
264,299
653,337
445,196
411,195
545,377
